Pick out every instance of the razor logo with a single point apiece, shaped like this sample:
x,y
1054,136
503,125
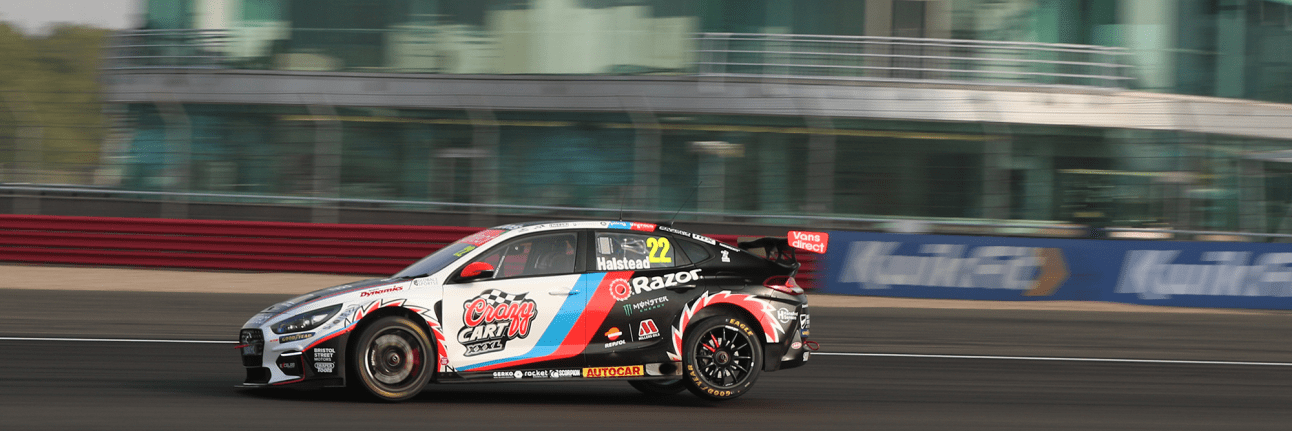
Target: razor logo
x,y
647,284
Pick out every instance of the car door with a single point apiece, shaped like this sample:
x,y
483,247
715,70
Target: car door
x,y
647,280
522,316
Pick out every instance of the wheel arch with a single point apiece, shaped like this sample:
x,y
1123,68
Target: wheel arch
x,y
383,312
728,309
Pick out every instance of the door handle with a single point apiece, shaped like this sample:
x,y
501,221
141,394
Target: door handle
x,y
560,292
681,287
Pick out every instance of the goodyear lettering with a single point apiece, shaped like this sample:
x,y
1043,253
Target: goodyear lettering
x,y
874,265
295,337
609,372
1153,274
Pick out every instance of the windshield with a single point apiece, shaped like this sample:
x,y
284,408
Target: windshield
x,y
449,254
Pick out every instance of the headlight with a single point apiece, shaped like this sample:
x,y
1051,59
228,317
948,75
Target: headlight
x,y
307,320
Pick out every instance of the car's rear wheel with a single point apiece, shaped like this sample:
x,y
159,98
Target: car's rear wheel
x,y
391,359
658,387
721,358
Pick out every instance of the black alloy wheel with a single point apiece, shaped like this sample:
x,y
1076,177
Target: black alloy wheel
x,y
722,358
392,359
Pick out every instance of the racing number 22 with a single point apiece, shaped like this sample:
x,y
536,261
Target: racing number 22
x,y
658,250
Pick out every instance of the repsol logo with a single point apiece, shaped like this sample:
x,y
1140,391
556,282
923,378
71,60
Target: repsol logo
x,y
1154,274
875,265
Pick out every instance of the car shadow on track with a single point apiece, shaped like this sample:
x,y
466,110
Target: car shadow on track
x,y
532,394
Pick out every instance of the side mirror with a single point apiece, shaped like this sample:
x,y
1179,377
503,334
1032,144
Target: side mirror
x,y
476,270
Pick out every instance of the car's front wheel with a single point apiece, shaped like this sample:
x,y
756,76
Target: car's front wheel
x,y
391,359
721,358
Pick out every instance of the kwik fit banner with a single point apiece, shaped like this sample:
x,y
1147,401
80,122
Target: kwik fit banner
x,y
1196,274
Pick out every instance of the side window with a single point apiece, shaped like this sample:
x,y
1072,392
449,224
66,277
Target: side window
x,y
695,251
534,255
630,252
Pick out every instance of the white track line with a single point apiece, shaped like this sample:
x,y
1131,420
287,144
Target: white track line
x,y
880,355
119,340
1042,358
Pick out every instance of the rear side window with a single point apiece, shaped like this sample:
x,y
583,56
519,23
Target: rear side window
x,y
549,254
695,251
616,251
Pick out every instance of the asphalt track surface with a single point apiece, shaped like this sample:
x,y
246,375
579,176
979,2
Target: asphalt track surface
x,y
52,384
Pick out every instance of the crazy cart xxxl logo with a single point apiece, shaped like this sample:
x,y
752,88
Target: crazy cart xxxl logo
x,y
492,319
1036,271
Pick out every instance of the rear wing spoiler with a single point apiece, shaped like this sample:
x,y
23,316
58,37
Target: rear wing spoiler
x,y
774,249
782,250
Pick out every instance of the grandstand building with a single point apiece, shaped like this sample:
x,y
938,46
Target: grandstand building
x,y
1144,113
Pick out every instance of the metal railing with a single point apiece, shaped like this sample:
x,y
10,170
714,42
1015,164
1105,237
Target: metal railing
x,y
167,49
716,55
869,58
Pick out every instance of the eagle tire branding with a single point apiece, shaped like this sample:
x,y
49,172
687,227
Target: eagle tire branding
x,y
722,358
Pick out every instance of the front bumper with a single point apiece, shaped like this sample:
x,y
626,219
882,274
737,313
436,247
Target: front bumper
x,y
303,362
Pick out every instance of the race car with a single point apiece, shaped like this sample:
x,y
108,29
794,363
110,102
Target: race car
x,y
658,307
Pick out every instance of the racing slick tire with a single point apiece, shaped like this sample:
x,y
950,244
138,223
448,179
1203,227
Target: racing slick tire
x,y
658,388
721,358
392,359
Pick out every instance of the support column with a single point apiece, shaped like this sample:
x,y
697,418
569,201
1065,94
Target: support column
x,y
646,158
28,153
995,177
821,158
879,22
1231,43
327,164
177,175
484,169
773,173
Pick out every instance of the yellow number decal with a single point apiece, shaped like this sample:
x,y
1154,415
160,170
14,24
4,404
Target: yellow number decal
x,y
658,250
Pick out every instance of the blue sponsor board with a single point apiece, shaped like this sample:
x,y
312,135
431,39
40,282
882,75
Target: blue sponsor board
x,y
1193,274
1201,274
964,267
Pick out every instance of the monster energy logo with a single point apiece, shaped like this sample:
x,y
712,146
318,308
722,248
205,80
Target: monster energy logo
x,y
643,306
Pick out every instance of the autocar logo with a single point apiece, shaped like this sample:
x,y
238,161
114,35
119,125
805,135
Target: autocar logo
x,y
625,371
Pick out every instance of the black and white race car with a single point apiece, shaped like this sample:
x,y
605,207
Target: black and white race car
x,y
661,308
